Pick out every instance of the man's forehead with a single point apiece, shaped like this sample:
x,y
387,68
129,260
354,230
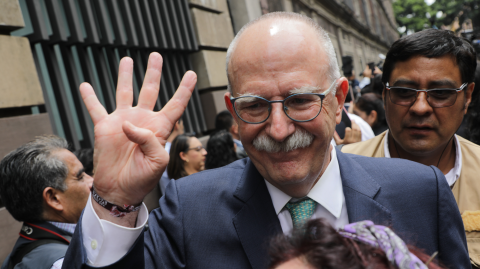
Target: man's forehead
x,y
419,70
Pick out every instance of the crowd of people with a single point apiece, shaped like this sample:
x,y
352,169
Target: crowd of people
x,y
274,187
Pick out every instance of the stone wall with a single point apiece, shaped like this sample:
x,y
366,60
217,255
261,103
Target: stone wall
x,y
214,32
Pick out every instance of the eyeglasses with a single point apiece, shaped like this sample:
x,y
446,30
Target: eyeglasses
x,y
300,107
435,97
199,148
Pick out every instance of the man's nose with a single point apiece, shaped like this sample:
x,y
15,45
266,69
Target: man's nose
x,y
279,126
421,106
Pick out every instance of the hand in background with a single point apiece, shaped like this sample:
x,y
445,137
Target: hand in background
x,y
129,155
352,135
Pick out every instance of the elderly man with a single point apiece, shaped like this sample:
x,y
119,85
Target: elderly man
x,y
44,185
429,83
286,96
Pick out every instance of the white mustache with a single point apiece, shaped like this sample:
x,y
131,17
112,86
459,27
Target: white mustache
x,y
299,139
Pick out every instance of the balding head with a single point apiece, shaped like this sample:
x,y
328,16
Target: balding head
x,y
281,31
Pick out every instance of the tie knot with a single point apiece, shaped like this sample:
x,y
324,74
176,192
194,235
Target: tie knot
x,y
301,211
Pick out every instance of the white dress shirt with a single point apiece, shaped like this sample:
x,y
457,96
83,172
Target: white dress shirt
x,y
106,242
454,173
327,192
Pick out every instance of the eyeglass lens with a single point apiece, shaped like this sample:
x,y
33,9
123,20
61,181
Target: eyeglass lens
x,y
299,107
199,148
435,97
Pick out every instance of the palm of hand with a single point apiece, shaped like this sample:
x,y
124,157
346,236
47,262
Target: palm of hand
x,y
129,155
124,167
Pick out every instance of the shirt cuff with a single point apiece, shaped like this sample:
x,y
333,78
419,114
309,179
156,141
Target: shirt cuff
x,y
106,242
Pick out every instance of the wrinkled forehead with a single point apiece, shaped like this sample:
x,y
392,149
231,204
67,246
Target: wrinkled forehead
x,y
276,47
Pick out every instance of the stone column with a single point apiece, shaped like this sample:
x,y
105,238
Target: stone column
x,y
214,31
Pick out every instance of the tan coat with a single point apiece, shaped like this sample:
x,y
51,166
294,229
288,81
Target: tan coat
x,y
466,189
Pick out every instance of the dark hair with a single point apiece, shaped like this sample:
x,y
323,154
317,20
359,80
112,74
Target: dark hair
x,y
27,171
85,156
175,167
369,102
220,148
321,246
432,43
223,121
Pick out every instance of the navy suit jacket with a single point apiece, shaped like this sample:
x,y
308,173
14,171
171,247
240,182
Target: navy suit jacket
x,y
224,218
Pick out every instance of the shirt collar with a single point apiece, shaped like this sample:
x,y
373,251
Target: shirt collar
x,y
66,227
451,176
328,190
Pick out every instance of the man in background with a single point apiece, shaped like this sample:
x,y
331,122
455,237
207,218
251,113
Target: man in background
x,y
429,80
224,121
45,186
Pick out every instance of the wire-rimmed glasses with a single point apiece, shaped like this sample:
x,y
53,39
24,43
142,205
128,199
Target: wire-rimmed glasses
x,y
299,107
435,97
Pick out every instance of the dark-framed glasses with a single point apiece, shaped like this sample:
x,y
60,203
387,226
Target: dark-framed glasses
x,y
198,148
443,97
299,107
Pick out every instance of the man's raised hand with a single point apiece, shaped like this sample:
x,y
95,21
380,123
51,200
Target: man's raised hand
x,y
129,156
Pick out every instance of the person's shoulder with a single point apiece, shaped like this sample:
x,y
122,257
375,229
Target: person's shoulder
x,y
393,171
464,143
219,177
366,148
44,256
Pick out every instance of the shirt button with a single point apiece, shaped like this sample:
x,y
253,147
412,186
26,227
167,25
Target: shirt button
x,y
94,244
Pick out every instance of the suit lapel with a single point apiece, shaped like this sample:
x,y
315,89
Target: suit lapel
x,y
360,190
256,222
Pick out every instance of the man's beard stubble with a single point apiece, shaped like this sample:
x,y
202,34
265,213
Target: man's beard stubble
x,y
299,139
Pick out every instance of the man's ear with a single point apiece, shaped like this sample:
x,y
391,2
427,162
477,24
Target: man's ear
x,y
228,103
342,91
52,199
468,96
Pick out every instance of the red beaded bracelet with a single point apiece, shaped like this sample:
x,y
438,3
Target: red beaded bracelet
x,y
115,210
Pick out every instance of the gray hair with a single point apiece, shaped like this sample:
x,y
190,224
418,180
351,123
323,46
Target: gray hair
x,y
27,171
333,70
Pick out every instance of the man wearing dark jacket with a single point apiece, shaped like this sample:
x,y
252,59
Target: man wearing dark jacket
x,y
44,185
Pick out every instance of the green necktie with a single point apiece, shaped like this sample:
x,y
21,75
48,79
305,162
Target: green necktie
x,y
301,211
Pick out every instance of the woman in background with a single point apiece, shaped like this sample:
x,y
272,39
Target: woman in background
x,y
187,156
369,107
221,150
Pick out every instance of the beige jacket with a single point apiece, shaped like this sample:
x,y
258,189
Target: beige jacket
x,y
466,189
